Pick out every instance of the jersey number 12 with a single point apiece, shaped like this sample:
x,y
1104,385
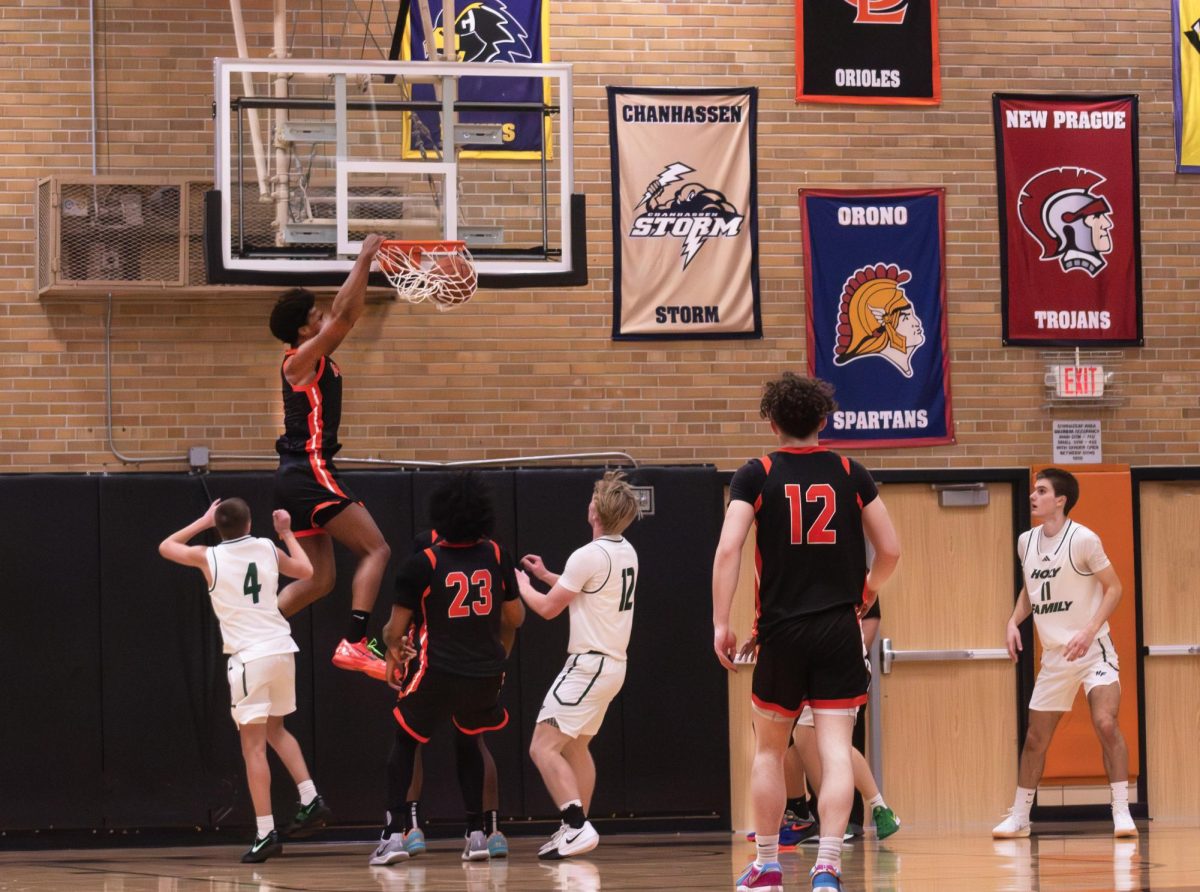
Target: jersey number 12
x,y
627,585
819,532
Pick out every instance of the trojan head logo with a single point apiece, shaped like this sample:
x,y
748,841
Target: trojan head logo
x,y
1068,218
1193,35
486,32
879,12
693,213
876,318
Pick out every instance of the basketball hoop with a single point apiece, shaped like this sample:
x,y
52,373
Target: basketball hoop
x,y
439,271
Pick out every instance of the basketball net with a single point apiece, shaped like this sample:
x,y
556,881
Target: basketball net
x,y
441,272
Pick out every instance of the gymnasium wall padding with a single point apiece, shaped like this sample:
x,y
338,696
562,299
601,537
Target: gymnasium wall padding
x,y
131,716
50,748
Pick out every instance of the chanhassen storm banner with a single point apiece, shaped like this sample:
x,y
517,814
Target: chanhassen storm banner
x,y
874,272
685,213
1070,245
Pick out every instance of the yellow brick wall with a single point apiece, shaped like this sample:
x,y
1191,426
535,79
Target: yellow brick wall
x,y
528,372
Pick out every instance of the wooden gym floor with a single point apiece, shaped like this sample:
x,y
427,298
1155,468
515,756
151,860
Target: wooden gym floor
x,y
1062,857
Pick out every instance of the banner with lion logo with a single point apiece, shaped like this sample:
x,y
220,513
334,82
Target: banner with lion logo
x,y
874,271
1185,27
685,213
496,31
1070,232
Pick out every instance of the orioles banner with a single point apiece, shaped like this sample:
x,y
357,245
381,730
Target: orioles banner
x,y
1070,246
1185,19
874,271
486,31
881,52
685,213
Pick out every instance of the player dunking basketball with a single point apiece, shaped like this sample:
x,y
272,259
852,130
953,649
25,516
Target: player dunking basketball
x,y
307,484
1071,589
811,508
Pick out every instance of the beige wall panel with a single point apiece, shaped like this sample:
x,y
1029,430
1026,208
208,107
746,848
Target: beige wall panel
x,y
1170,521
949,729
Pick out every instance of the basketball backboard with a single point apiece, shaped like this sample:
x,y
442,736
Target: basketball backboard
x,y
313,155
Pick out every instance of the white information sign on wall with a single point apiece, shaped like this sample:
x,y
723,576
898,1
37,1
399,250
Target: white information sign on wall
x,y
1077,442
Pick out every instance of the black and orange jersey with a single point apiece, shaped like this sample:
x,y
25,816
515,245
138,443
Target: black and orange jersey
x,y
810,550
313,413
455,593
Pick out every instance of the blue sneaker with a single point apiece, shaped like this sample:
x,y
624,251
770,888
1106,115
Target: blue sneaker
x,y
768,878
414,842
497,845
826,877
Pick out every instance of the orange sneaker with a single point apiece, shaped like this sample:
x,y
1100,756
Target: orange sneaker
x,y
357,657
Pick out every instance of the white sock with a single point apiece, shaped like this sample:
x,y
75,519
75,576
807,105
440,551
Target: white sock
x,y
308,791
877,802
1022,803
569,803
1120,793
829,851
265,825
766,849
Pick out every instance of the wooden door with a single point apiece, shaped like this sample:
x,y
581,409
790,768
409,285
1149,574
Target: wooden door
x,y
949,728
1169,531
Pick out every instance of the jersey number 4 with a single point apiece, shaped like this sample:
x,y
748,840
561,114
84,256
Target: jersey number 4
x,y
250,585
819,532
479,585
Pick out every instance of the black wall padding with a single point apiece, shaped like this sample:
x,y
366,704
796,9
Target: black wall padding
x,y
441,799
50,752
552,523
675,705
352,713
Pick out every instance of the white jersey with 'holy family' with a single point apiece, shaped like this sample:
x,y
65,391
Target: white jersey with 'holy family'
x,y
245,583
604,572
1060,577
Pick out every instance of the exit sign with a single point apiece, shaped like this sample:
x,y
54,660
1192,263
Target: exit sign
x,y
1079,381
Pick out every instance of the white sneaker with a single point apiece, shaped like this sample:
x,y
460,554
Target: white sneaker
x,y
389,851
570,842
1011,827
475,847
1123,825
552,843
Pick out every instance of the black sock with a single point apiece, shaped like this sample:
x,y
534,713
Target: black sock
x,y
474,822
491,821
412,815
573,816
395,823
799,806
357,630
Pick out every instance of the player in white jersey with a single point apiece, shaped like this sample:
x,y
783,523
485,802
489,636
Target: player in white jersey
x,y
597,586
1071,589
243,581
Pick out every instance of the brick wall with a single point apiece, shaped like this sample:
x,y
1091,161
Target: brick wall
x,y
532,372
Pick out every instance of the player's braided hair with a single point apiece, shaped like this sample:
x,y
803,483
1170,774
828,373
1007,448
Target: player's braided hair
x,y
461,508
796,404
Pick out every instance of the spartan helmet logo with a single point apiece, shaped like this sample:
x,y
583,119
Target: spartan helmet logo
x,y
1071,223
876,318
486,32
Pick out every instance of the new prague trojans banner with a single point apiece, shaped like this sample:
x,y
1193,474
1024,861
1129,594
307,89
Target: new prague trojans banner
x,y
1070,245
685,213
875,275
1185,21
486,31
881,52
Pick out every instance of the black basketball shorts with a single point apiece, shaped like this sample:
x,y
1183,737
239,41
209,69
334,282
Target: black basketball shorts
x,y
311,491
473,704
818,659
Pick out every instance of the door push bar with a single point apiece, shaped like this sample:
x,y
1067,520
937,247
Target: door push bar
x,y
1171,650
890,656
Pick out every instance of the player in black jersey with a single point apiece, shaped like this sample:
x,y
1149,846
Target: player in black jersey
x,y
812,508
307,484
463,588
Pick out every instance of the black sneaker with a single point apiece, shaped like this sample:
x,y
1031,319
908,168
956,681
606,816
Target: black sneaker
x,y
309,819
263,848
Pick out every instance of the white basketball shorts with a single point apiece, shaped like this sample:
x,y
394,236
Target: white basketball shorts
x,y
262,687
1058,680
580,695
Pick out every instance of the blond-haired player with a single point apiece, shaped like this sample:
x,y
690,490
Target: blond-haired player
x,y
243,581
597,585
1071,589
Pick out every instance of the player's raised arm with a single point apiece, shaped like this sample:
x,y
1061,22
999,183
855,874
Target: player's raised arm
x,y
546,606
292,559
175,547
